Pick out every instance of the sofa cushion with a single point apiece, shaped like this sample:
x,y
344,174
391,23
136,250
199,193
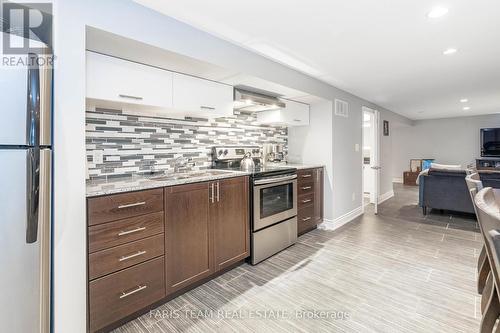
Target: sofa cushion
x,y
446,166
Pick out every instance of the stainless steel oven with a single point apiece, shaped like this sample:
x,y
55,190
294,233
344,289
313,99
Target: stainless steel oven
x,y
274,200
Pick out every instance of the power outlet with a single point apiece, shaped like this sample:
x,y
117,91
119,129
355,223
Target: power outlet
x,y
98,156
353,196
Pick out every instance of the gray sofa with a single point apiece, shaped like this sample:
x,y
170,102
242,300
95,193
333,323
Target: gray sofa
x,y
445,190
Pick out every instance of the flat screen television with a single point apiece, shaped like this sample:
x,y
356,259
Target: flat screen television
x,y
490,142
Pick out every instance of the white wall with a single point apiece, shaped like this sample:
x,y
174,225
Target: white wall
x,y
303,147
128,19
449,141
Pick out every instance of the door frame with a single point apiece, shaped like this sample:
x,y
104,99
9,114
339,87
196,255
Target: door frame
x,y
376,148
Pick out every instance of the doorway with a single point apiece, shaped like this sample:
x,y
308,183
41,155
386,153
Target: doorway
x,y
370,158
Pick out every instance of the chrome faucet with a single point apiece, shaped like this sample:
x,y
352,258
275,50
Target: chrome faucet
x,y
181,162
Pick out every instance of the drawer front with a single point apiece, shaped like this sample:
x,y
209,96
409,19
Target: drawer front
x,y
305,188
305,219
111,260
305,175
111,234
305,200
118,295
126,205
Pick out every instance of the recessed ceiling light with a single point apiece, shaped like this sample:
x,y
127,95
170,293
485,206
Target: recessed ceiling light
x,y
437,12
464,100
449,51
466,108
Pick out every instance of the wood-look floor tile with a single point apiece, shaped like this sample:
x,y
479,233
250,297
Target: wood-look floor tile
x,y
399,271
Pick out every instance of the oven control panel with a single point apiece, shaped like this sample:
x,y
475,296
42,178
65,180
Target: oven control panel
x,y
234,153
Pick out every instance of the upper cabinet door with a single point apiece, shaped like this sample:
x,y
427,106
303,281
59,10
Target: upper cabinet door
x,y
294,114
116,80
201,98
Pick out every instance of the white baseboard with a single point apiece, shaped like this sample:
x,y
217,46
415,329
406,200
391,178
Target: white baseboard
x,y
341,220
385,196
397,180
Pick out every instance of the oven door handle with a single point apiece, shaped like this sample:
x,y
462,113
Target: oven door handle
x,y
274,180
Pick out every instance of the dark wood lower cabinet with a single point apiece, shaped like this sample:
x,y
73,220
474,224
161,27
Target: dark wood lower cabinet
x,y
137,261
230,220
120,294
318,195
310,199
188,235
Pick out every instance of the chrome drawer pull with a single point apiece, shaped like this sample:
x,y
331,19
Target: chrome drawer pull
x,y
130,96
306,176
139,253
306,187
306,201
123,233
132,205
136,290
203,107
306,218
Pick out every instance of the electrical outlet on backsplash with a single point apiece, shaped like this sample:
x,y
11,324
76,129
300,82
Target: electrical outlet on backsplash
x,y
133,143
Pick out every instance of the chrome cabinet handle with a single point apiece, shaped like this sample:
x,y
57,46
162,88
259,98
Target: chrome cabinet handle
x,y
123,233
306,218
136,290
306,187
212,198
131,97
218,191
297,120
132,205
139,253
306,200
203,107
306,176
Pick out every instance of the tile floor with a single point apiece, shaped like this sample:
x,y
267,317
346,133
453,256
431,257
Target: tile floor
x,y
395,272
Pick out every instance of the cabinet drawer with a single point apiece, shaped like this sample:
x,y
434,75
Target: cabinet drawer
x,y
118,295
305,219
305,175
111,234
305,188
123,256
121,206
305,200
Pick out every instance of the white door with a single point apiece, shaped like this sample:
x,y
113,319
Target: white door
x,y
19,304
370,155
14,97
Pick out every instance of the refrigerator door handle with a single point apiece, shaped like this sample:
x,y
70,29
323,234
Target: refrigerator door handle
x,y
33,194
33,103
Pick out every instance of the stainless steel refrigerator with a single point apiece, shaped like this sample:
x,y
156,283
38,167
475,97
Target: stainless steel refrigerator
x,y
25,197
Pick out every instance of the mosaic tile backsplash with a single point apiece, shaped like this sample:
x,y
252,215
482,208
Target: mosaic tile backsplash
x,y
133,144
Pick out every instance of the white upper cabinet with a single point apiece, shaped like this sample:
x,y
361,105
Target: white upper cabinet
x,y
294,114
201,98
115,80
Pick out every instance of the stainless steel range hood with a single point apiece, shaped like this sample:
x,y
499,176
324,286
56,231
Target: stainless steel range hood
x,y
254,102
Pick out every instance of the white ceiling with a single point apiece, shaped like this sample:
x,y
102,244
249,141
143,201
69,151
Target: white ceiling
x,y
386,51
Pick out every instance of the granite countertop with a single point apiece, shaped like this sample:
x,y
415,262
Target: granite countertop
x,y
301,166
139,182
